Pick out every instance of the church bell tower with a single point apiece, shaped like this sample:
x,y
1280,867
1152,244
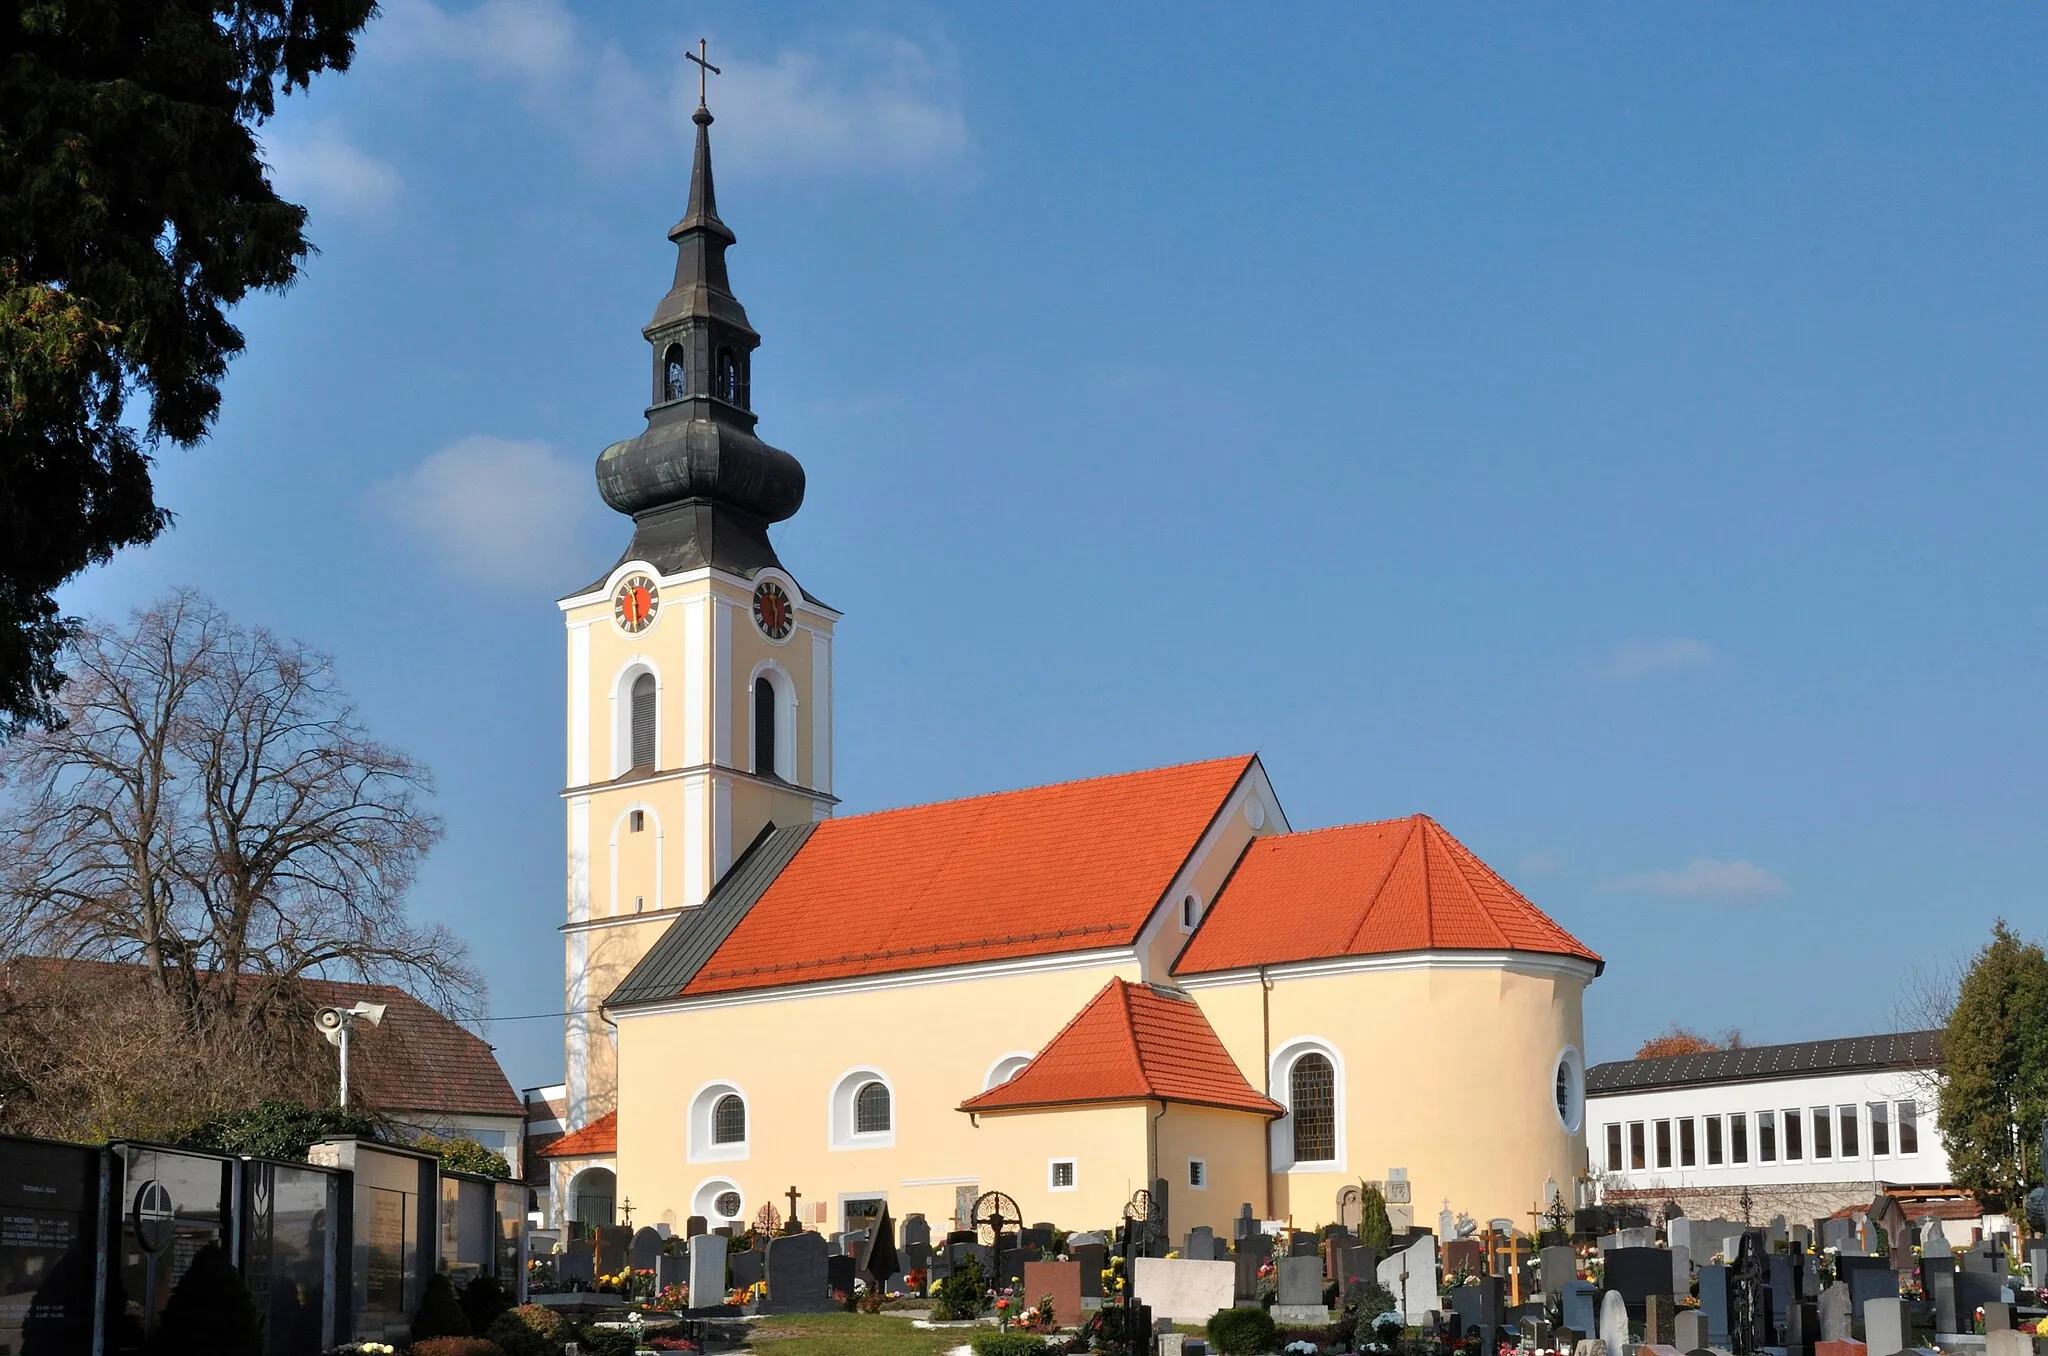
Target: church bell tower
x,y
700,671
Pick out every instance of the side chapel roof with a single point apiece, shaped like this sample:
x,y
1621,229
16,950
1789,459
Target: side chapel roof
x,y
1366,889
598,1139
1132,1042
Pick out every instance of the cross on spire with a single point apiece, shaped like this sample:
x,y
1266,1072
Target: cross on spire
x,y
704,67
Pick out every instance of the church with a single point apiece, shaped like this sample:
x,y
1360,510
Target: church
x,y
1067,993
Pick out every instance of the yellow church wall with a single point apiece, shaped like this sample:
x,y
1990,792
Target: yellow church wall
x,y
933,1044
1202,877
1448,1071
1015,1152
1232,1148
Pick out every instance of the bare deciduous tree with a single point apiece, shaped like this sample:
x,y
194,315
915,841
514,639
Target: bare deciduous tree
x,y
213,810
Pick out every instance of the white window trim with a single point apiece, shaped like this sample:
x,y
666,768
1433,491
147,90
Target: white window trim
x,y
1187,924
1576,1100
1282,1132
1193,1164
701,1147
1052,1166
841,1137
703,1201
622,712
1019,1058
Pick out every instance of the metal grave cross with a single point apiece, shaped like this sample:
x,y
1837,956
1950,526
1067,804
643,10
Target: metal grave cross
x,y
703,66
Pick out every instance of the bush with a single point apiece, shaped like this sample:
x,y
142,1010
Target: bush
x,y
594,1341
1007,1344
278,1129
210,1313
516,1337
440,1313
961,1295
483,1299
542,1320
458,1154
1373,1300
455,1346
1241,1332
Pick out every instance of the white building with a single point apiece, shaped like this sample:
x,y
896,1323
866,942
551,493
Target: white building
x,y
1800,1129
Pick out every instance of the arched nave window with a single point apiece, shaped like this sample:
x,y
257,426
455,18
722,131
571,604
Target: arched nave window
x,y
729,1120
871,1110
1312,1105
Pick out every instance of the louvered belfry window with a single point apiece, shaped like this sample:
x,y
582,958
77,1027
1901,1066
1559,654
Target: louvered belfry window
x,y
1312,1089
764,727
643,720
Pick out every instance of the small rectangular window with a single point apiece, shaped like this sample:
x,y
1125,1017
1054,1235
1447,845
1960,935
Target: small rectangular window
x,y
1845,1120
1713,1141
1738,1138
1614,1147
1636,1160
1688,1149
1663,1144
1880,1130
1909,1127
639,820
1823,1132
1198,1173
1062,1174
1795,1140
1766,1137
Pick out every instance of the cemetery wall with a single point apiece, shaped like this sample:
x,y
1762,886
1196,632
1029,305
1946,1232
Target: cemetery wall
x,y
1473,1038
932,1042
1232,1148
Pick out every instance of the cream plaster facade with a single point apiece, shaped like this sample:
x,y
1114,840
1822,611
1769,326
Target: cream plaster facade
x,y
645,843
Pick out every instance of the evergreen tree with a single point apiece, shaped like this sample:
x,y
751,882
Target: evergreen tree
x,y
210,1313
440,1312
1375,1230
1994,1071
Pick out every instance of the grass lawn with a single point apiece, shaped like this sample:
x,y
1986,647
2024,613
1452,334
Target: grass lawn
x,y
849,1335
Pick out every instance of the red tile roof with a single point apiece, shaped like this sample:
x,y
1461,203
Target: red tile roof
x,y
419,1060
1362,890
598,1139
1130,1043
1069,867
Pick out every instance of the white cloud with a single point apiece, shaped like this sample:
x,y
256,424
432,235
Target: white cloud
x,y
494,508
856,103
1704,877
1633,659
317,165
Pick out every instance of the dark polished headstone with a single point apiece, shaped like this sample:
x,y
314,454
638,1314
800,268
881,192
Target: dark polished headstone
x,y
49,1196
797,1275
1637,1273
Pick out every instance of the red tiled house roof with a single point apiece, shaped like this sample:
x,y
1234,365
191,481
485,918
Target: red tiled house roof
x,y
1070,867
1130,1043
1361,890
598,1139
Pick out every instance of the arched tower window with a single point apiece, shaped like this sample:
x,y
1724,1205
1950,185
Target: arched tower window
x,y
871,1110
1312,1097
643,720
728,377
675,373
729,1121
764,727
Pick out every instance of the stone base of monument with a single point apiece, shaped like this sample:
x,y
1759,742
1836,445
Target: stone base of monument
x,y
1300,1315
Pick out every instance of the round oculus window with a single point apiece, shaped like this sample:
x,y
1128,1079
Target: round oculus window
x,y
1568,1090
727,1204
772,611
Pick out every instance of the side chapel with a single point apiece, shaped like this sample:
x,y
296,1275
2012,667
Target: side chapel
x,y
1066,993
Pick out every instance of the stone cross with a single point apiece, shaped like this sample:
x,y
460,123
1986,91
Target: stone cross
x,y
792,1192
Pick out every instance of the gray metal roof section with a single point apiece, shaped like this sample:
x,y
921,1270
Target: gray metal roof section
x,y
1756,1063
672,962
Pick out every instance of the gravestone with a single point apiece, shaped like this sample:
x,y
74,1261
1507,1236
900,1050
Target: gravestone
x,y
1245,1225
1350,1208
1613,1321
1637,1273
839,1274
646,1249
1037,1239
1200,1245
614,1248
1940,1289
1681,1271
49,1199
1636,1238
1245,1265
1061,1281
1778,1274
1356,1266
1884,1326
1555,1266
1581,1302
1802,1326
693,1226
1301,1245
1689,1330
1411,1276
1182,1291
1087,1236
1300,1301
1713,1282
1869,1284
1982,1258
671,1270
917,1243
1658,1312
707,1271
2008,1343
1997,1317
579,1263
746,1267
1933,1241
1836,1314
941,1265
1091,1258
1973,1291
1776,1234
795,1269
1464,1254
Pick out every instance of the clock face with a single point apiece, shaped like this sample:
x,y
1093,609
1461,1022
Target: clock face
x,y
772,612
635,603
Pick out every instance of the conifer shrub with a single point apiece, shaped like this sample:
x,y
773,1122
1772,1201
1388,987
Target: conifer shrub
x,y
960,1296
210,1313
440,1313
1007,1344
1241,1332
515,1337
483,1299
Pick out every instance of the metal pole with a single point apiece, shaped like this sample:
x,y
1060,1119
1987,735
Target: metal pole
x,y
345,1024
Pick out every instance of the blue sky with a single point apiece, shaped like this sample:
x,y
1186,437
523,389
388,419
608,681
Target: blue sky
x,y
1615,431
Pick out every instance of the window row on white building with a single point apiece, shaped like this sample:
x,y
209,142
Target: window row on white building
x,y
1845,1131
